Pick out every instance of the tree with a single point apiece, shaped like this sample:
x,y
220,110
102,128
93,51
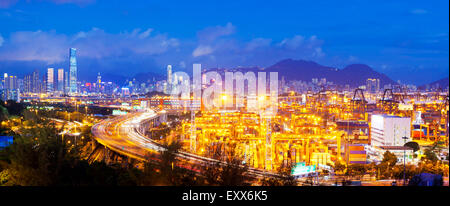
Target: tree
x,y
167,169
13,107
357,170
3,113
38,156
339,167
387,163
389,158
284,177
414,145
430,155
230,171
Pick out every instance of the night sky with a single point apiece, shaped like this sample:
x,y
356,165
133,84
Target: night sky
x,y
406,40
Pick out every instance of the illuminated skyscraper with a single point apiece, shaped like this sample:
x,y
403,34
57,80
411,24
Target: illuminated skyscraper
x,y
50,80
373,85
168,85
169,74
27,84
66,82
99,79
73,71
61,80
99,82
35,82
10,89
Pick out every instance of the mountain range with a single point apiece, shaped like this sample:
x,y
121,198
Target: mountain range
x,y
353,75
442,83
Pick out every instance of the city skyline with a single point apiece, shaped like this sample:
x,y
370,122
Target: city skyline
x,y
224,93
410,36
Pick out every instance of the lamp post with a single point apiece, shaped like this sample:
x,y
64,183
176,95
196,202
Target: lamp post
x,y
404,162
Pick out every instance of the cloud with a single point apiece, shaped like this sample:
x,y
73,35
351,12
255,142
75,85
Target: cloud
x,y
292,43
258,43
202,50
299,41
182,64
9,3
1,40
352,58
38,45
216,47
318,53
72,1
138,50
418,11
52,47
212,33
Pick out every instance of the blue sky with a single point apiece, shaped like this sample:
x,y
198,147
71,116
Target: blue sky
x,y
407,40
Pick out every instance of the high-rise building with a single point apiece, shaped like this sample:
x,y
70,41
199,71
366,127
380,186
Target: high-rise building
x,y
99,78
36,82
73,87
60,81
99,83
169,74
28,83
373,85
10,89
389,130
43,84
50,80
66,82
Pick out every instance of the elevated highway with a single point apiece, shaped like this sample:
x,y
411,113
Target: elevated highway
x,y
124,135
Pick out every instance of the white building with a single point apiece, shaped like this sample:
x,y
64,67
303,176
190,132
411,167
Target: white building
x,y
60,84
389,130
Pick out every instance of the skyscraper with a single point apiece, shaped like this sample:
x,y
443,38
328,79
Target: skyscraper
x,y
60,80
373,85
66,82
28,83
99,83
10,89
35,82
168,86
169,74
50,80
73,71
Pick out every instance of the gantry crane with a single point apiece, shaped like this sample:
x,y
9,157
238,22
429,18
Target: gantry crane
x,y
359,102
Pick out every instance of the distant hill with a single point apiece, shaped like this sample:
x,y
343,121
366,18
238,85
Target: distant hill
x,y
108,77
442,83
143,77
354,75
123,80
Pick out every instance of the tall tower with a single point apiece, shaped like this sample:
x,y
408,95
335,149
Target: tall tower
x,y
66,82
10,88
61,80
99,79
168,88
73,71
50,80
99,83
169,74
35,82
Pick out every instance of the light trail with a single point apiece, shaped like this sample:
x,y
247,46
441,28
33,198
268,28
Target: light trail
x,y
121,134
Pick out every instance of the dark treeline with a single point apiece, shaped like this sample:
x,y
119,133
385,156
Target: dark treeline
x,y
39,156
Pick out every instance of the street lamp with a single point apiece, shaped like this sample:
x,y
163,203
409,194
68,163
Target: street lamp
x,y
404,162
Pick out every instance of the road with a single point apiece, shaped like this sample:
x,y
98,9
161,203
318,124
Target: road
x,y
121,134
